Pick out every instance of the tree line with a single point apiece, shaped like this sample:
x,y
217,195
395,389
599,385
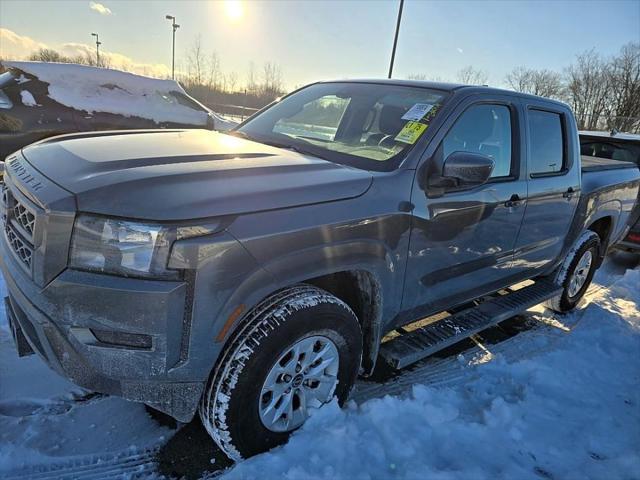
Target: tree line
x,y
203,77
604,92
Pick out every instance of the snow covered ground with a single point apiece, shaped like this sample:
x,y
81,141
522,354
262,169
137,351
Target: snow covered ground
x,y
559,400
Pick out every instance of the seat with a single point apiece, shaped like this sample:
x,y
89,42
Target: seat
x,y
390,123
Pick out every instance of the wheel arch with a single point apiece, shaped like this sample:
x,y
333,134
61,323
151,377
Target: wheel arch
x,y
603,226
360,289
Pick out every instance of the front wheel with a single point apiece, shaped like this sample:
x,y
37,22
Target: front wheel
x,y
576,272
297,350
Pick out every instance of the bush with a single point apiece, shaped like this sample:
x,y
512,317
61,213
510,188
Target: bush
x,y
9,124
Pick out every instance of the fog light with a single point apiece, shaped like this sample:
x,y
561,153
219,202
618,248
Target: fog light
x,y
121,339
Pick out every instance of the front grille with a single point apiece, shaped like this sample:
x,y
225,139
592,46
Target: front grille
x,y
24,217
19,225
22,249
5,194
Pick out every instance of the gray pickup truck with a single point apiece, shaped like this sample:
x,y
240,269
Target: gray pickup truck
x,y
252,276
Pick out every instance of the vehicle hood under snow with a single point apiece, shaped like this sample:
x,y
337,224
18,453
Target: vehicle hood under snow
x,y
185,174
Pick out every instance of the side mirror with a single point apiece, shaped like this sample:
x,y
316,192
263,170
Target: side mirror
x,y
211,123
467,168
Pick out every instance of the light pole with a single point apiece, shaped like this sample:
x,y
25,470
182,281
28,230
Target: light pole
x,y
395,39
98,43
173,50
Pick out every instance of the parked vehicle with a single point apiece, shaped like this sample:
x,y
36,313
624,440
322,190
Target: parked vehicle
x,y
40,100
253,275
602,148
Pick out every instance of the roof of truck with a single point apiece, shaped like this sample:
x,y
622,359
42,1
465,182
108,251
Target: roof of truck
x,y
445,86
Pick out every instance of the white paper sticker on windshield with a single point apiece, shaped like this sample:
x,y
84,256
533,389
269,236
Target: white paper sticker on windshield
x,y
418,111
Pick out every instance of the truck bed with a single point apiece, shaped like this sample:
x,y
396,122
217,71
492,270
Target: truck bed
x,y
595,164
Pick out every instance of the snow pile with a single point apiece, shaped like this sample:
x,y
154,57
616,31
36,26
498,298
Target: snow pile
x,y
94,89
567,409
27,99
572,411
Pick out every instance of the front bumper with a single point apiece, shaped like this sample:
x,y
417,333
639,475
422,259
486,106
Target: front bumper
x,y
59,320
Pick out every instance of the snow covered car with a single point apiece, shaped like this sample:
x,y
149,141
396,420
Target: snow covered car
x,y
40,100
597,147
251,276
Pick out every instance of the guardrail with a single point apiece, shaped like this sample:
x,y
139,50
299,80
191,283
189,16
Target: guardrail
x,y
233,111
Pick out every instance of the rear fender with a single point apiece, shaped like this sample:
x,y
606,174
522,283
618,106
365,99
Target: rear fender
x,y
611,209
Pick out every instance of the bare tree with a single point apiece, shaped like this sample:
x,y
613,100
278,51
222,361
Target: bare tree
x,y
196,67
48,55
232,81
623,111
588,85
252,84
271,80
215,73
545,83
471,76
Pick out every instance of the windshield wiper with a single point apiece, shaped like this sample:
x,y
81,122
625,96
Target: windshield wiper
x,y
295,148
238,133
286,146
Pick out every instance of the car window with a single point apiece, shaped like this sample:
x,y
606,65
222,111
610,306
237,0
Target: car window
x,y
6,79
5,101
318,119
486,130
546,142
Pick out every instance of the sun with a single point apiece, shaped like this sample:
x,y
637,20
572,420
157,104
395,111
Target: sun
x,y
234,9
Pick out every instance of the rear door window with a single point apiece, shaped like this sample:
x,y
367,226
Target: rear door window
x,y
546,142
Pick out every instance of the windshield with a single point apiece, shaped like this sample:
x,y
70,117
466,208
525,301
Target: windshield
x,y
371,126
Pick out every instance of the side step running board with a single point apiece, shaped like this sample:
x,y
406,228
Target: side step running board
x,y
418,344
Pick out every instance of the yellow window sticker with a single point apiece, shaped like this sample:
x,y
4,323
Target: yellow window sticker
x,y
411,132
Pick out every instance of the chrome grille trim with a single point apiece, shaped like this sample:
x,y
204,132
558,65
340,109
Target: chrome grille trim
x,y
5,202
25,218
22,249
19,222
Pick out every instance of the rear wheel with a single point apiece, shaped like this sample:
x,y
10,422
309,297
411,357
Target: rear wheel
x,y
298,349
576,272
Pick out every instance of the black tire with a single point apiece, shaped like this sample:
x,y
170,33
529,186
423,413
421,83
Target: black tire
x,y
589,241
229,406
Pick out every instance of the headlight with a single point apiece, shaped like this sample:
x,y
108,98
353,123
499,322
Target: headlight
x,y
120,247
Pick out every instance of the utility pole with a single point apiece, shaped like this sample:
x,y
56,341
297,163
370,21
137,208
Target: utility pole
x,y
395,39
175,26
98,43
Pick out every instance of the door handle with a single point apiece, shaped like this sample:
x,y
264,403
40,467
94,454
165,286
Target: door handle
x,y
514,201
569,193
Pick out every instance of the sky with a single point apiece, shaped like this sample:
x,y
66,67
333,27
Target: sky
x,y
317,40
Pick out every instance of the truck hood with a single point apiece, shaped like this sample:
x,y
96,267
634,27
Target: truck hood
x,y
186,174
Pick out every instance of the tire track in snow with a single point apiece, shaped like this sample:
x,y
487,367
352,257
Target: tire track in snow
x,y
125,464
